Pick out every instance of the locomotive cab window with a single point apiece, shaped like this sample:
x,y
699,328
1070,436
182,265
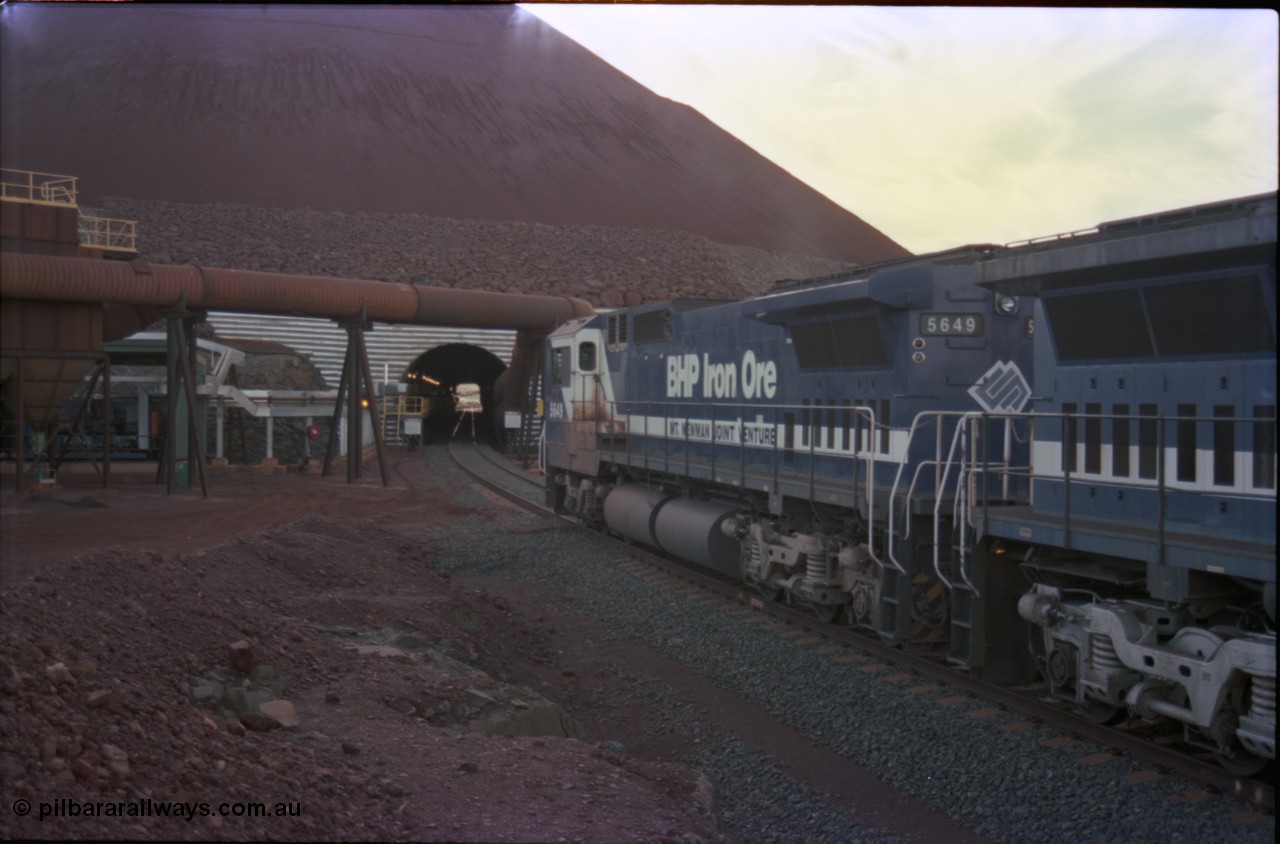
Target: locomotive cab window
x,y
587,357
560,366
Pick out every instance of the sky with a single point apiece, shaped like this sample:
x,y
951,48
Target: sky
x,y
946,126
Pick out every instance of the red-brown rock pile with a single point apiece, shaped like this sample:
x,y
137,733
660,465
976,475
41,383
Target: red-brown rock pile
x,y
608,267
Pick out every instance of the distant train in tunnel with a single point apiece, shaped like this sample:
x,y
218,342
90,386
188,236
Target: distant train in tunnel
x,y
467,399
430,408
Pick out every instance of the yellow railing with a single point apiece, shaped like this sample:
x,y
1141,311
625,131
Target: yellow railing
x,y
107,233
38,188
403,405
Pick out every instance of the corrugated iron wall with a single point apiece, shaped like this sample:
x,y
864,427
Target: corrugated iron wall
x,y
325,343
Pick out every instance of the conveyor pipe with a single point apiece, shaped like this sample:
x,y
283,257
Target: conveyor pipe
x,y
144,285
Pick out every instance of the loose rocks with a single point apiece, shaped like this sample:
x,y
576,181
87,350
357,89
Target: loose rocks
x,y
608,267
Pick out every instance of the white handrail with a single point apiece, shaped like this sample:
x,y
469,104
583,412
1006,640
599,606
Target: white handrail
x,y
956,438
959,437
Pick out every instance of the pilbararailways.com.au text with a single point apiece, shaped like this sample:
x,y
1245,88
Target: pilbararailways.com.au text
x,y
148,808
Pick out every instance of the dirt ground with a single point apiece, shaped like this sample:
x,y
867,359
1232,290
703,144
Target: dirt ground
x,y
122,610
136,625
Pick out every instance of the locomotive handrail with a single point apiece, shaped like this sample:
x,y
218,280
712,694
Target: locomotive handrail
x,y
669,408
871,488
1161,505
911,489
1239,489
957,438
964,492
971,482
939,482
970,473
915,477
1245,487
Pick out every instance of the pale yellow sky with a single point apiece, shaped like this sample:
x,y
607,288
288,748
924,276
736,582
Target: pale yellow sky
x,y
943,126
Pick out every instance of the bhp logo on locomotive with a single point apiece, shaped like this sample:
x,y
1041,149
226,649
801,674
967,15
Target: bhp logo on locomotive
x,y
759,378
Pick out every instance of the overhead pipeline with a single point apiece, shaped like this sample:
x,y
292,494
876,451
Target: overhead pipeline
x,y
147,286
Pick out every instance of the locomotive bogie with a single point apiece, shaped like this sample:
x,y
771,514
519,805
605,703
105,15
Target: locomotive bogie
x,y
1219,681
816,570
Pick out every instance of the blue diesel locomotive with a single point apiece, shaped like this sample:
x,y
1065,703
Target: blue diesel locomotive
x,y
954,450
1148,530
782,438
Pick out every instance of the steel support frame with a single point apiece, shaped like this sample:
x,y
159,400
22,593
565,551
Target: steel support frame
x,y
356,384
20,440
103,372
20,420
180,357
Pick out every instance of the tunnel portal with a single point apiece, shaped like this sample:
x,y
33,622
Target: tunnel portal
x,y
437,373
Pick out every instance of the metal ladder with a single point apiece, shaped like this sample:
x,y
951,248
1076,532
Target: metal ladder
x,y
968,461
530,419
391,425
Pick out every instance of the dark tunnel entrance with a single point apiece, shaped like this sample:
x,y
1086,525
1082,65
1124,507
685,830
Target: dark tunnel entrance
x,y
437,375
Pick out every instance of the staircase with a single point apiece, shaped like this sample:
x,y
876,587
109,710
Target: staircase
x,y
530,431
396,409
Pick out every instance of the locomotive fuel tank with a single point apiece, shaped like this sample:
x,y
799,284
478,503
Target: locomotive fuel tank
x,y
687,528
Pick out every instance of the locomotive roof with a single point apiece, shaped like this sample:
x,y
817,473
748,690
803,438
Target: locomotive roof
x,y
678,305
862,272
1236,232
901,283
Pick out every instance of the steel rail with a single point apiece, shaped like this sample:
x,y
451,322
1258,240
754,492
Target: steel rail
x,y
505,466
497,488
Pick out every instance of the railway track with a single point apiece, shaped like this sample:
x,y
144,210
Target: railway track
x,y
1133,739
497,473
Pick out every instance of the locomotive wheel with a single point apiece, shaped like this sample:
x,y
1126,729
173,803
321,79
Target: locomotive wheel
x,y
1097,712
1060,667
771,594
827,613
